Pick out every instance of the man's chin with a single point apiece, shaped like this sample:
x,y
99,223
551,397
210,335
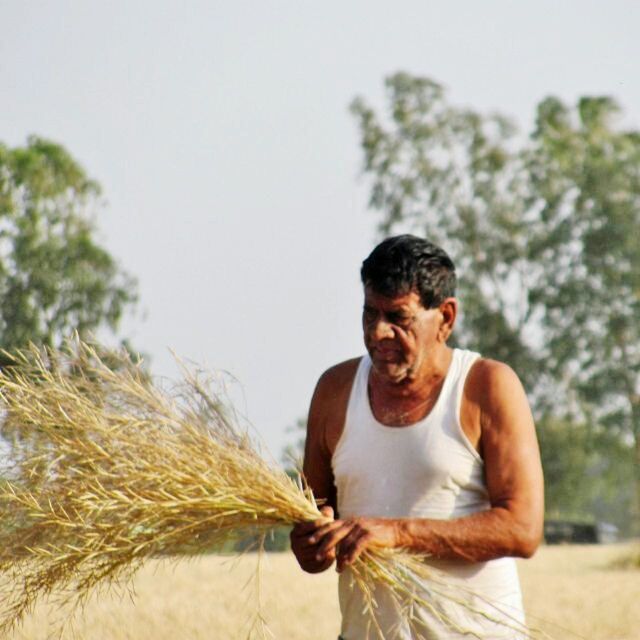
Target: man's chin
x,y
391,372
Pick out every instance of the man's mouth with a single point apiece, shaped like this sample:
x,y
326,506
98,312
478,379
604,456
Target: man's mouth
x,y
386,355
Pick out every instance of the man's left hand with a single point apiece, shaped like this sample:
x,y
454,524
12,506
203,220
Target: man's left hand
x,y
349,538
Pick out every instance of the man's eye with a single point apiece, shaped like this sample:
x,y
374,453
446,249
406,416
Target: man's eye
x,y
399,319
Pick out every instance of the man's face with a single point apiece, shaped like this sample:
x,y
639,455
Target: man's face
x,y
399,333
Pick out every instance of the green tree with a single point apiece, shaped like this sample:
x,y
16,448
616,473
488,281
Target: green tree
x,y
585,182
55,279
544,231
54,276
455,175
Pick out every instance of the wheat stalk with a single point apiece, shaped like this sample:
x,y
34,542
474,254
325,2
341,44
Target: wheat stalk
x,y
108,469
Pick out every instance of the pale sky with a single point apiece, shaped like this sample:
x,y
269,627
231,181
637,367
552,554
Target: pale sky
x,y
230,165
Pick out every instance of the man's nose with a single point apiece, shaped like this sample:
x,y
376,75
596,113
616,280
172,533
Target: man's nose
x,y
381,330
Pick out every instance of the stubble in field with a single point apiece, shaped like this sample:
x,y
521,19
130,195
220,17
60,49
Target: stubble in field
x,y
565,587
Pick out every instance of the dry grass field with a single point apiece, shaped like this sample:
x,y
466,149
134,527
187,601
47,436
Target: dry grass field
x,y
214,598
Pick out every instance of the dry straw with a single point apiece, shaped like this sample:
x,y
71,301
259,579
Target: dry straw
x,y
106,469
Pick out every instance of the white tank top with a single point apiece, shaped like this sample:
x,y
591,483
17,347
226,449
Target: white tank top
x,y
424,470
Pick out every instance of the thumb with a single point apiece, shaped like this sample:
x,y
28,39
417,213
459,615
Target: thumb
x,y
327,511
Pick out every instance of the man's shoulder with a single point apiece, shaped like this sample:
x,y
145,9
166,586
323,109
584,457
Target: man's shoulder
x,y
487,373
339,376
490,382
334,387
329,405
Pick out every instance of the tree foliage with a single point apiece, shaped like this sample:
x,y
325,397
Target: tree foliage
x,y
544,230
585,174
455,175
54,276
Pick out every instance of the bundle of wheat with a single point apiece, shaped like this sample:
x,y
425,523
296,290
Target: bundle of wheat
x,y
109,469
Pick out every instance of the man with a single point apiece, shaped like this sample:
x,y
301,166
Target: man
x,y
422,447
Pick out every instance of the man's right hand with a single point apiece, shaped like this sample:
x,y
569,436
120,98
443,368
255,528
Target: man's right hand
x,y
306,545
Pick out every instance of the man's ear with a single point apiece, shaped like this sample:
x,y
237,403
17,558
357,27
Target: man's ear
x,y
448,312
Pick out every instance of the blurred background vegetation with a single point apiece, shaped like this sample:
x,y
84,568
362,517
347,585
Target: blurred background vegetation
x,y
55,277
543,227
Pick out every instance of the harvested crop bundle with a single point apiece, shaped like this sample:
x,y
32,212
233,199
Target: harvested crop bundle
x,y
107,469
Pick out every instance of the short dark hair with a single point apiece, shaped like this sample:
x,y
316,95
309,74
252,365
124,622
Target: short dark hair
x,y
407,263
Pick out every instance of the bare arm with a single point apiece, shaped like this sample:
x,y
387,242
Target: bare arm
x,y
324,426
513,524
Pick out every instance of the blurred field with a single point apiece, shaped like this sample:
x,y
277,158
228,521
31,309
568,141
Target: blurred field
x,y
214,598
577,588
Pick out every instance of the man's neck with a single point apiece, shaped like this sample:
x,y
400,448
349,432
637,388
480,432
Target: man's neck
x,y
413,398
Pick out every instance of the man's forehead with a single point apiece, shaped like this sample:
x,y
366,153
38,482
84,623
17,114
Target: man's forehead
x,y
408,299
